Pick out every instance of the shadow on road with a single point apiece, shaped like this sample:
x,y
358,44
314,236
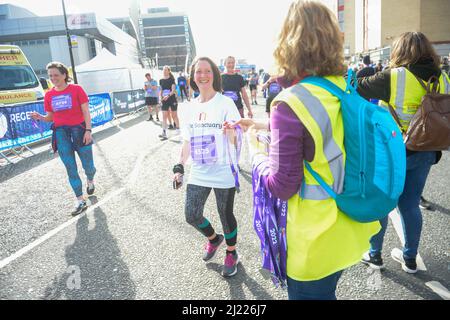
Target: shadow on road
x,y
410,282
439,208
95,268
240,280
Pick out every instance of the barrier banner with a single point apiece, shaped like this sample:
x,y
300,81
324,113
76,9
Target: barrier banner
x,y
139,97
127,101
18,128
123,102
100,109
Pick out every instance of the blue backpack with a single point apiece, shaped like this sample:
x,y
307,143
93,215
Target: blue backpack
x,y
375,166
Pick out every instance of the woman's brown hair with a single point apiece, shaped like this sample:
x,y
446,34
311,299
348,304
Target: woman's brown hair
x,y
310,42
62,69
410,48
217,80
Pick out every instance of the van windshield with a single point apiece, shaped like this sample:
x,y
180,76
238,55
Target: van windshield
x,y
17,77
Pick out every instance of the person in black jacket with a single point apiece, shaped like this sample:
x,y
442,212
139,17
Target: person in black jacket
x,y
414,52
367,71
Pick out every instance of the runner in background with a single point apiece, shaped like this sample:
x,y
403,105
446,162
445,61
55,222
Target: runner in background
x,y
182,83
168,99
210,150
151,96
253,83
264,78
273,88
233,86
67,106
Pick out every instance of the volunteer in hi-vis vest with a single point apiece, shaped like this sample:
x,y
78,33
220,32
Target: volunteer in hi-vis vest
x,y
212,153
68,108
306,125
412,56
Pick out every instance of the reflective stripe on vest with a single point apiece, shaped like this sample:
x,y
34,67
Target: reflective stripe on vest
x,y
331,150
400,96
446,82
406,92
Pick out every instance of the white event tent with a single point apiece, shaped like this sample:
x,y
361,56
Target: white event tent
x,y
107,73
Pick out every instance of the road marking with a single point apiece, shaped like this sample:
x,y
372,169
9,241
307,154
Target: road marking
x,y
55,231
439,289
132,178
397,222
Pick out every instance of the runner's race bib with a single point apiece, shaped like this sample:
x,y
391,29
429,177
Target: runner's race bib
x,y
231,94
274,89
203,149
166,92
62,102
182,83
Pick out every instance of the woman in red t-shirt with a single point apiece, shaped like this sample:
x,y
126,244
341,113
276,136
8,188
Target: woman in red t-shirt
x,y
67,106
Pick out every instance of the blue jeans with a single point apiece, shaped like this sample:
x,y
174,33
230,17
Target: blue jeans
x,y
323,289
417,168
68,140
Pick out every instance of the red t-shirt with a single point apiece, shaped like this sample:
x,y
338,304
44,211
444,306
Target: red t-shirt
x,y
66,105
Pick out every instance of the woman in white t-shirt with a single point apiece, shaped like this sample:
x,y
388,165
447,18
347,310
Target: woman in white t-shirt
x,y
213,154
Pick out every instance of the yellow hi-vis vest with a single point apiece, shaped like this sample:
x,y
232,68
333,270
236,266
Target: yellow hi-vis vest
x,y
321,240
407,93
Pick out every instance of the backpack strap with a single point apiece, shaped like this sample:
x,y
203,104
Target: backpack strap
x,y
325,84
319,179
395,116
432,85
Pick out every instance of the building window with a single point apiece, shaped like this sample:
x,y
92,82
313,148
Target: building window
x,y
164,31
164,21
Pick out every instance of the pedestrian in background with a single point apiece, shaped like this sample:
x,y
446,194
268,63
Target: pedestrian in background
x,y
168,95
151,89
412,58
234,87
67,106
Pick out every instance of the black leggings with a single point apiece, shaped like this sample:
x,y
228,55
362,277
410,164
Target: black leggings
x,y
196,197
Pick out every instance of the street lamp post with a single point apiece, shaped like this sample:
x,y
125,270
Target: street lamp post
x,y
69,42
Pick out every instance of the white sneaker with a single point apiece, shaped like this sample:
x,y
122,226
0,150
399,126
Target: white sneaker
x,y
409,266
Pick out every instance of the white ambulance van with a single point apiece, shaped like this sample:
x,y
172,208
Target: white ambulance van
x,y
18,81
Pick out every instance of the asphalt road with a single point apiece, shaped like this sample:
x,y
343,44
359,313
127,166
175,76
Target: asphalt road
x,y
134,243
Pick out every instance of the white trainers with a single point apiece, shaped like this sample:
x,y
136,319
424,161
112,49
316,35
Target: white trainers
x,y
408,265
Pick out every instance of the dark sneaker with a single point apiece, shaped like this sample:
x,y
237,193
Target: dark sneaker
x,y
150,119
408,265
157,118
424,204
90,189
211,250
163,136
230,265
170,127
81,206
375,262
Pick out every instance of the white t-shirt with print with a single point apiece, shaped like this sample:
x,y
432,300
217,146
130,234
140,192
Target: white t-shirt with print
x,y
201,125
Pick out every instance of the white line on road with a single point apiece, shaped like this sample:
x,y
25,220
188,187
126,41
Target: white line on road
x,y
439,289
55,231
132,178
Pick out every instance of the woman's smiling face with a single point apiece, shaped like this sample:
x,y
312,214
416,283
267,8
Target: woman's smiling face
x,y
203,76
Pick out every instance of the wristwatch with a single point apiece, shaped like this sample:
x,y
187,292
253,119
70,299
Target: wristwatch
x,y
90,130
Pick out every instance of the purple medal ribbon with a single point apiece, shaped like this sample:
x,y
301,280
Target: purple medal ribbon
x,y
270,219
238,155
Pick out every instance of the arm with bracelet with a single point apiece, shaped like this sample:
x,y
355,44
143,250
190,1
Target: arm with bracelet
x,y
178,169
